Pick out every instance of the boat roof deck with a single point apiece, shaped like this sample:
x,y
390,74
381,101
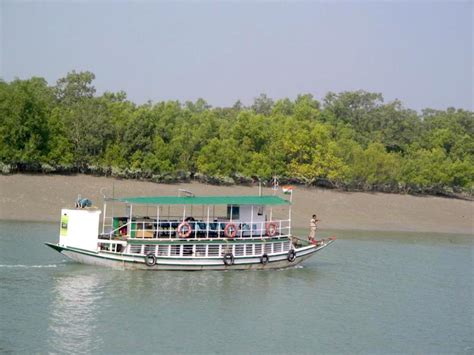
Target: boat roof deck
x,y
206,200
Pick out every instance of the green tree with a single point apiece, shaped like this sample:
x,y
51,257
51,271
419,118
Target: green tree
x,y
75,87
219,158
356,108
24,109
374,166
263,105
306,107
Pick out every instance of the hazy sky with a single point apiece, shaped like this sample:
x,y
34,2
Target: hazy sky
x,y
420,53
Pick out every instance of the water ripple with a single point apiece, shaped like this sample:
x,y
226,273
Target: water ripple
x,y
21,266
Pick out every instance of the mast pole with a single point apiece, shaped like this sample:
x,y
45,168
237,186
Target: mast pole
x,y
251,222
289,213
158,221
103,218
130,222
113,203
207,225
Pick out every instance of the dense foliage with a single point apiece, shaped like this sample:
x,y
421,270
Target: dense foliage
x,y
350,140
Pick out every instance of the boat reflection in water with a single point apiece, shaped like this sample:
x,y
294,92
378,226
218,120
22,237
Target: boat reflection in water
x,y
74,313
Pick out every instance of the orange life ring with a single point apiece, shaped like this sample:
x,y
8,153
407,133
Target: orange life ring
x,y
184,230
271,229
230,230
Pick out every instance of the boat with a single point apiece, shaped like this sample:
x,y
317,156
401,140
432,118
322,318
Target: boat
x,y
184,232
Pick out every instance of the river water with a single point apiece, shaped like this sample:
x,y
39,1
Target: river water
x,y
366,293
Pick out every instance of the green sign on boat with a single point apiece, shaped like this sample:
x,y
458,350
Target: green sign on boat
x,y
64,222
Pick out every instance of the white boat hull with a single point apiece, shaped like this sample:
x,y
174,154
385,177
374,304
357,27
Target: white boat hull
x,y
133,262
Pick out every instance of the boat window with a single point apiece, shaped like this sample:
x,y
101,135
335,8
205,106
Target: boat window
x,y
226,249
248,249
187,250
233,212
163,250
258,249
239,250
268,248
201,250
150,249
213,250
277,247
175,250
104,246
135,249
286,246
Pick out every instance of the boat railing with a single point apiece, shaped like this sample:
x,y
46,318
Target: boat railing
x,y
198,229
107,224
116,233
190,249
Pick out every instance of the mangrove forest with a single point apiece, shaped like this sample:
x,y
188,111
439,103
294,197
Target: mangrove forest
x,y
349,140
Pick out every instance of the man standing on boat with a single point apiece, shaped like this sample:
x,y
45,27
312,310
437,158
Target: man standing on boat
x,y
313,225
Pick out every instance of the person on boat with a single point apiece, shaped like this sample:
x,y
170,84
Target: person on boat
x,y
313,225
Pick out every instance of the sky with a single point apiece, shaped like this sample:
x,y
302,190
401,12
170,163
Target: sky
x,y
418,52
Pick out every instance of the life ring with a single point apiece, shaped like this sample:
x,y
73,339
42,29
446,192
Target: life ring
x,y
264,259
291,255
150,259
271,228
228,259
230,230
184,230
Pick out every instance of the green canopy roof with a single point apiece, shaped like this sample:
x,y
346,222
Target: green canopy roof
x,y
206,200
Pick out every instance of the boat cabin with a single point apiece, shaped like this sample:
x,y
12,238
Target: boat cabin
x,y
197,217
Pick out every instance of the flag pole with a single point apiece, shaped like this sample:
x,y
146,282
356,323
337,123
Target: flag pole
x,y
291,206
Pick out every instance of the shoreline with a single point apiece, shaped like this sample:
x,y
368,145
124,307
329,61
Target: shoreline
x,y
25,197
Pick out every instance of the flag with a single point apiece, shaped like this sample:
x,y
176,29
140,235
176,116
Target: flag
x,y
287,189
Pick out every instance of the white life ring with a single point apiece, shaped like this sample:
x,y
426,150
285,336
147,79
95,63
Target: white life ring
x,y
230,230
184,230
271,229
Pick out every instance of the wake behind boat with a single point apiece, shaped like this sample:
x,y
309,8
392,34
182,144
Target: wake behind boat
x,y
184,233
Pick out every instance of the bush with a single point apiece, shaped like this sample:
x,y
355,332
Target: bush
x,y
5,169
47,169
221,180
242,179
